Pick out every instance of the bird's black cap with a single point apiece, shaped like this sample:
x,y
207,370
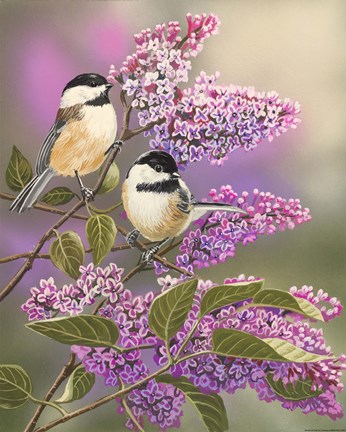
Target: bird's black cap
x,y
87,79
156,157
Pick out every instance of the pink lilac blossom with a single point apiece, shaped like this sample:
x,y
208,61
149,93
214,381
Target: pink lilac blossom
x,y
162,403
216,238
204,120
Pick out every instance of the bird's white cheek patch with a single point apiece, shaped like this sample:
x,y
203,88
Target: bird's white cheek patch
x,y
80,95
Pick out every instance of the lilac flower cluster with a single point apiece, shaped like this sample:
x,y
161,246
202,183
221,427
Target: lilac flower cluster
x,y
216,237
151,75
213,373
162,403
212,121
47,301
205,120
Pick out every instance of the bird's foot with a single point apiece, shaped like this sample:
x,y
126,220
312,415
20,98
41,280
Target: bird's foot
x,y
148,255
118,144
87,194
132,237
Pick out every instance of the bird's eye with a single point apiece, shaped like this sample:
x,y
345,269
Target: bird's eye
x,y
93,84
158,168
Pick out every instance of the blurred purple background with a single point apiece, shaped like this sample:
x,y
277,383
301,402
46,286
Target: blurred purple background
x,y
293,47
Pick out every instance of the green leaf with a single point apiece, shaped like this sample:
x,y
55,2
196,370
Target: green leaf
x,y
285,300
236,343
58,196
19,171
224,295
101,232
210,407
67,253
169,310
111,180
15,386
300,390
88,330
78,385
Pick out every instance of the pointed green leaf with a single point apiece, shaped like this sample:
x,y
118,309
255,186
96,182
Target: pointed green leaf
x,y
285,300
111,180
300,390
78,385
58,196
210,407
224,295
169,310
101,232
19,171
88,330
15,386
67,253
236,343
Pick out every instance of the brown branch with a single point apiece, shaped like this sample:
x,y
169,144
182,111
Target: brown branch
x,y
64,373
10,197
21,255
10,258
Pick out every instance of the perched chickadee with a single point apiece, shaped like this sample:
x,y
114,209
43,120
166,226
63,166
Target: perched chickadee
x,y
158,203
84,129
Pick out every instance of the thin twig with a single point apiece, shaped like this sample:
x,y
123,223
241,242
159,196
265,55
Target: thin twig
x,y
48,209
131,415
10,258
64,373
141,246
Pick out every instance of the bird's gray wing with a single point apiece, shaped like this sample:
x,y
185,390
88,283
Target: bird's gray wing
x,y
42,162
185,201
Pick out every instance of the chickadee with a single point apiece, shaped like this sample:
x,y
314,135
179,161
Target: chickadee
x,y
84,129
158,203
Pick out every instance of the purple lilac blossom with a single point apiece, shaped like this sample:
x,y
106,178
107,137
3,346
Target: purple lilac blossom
x,y
204,120
216,237
162,403
72,299
213,121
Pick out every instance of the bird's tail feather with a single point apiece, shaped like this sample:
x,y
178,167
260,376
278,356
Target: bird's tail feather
x,y
29,195
200,208
210,206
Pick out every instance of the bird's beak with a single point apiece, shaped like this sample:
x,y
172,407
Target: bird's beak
x,y
175,175
109,86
